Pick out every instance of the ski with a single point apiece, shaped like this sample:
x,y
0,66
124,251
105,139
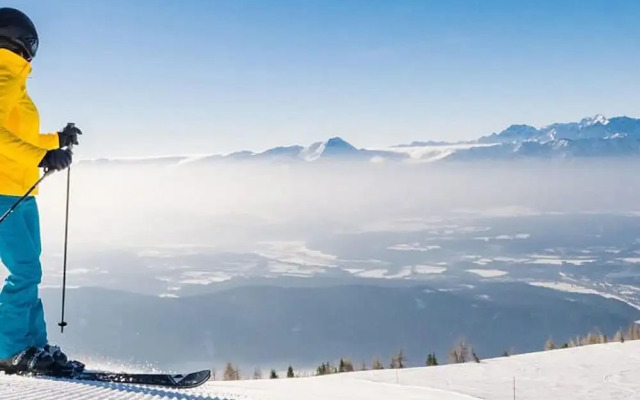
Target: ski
x,y
173,381
176,381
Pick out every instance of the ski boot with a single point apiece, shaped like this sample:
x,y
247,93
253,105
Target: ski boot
x,y
58,356
32,360
62,364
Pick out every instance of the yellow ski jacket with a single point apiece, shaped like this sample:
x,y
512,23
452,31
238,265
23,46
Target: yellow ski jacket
x,y
22,146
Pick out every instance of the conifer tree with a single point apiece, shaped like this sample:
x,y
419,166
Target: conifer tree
x,y
432,360
633,332
398,361
549,345
325,369
377,364
345,366
462,353
231,373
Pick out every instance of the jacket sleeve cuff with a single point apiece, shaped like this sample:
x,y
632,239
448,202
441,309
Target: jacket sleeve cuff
x,y
49,141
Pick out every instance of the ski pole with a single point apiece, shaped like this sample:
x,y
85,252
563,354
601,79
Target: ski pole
x,y
21,199
62,322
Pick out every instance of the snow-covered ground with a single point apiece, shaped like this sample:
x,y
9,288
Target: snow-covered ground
x,y
576,288
598,372
488,273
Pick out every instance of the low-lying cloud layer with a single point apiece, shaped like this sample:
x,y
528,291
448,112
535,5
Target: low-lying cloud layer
x,y
230,205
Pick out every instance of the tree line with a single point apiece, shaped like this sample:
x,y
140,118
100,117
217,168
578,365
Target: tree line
x,y
462,352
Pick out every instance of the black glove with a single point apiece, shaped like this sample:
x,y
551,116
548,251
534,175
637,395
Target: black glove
x,y
69,135
56,160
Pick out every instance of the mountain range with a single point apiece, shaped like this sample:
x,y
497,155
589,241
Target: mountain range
x,y
596,136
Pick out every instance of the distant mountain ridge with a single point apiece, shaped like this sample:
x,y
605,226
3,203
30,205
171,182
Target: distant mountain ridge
x,y
595,136
596,127
333,149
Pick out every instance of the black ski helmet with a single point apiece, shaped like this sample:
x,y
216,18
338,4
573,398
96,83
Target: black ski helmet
x,y
16,27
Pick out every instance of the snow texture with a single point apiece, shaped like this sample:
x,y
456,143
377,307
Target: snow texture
x,y
598,372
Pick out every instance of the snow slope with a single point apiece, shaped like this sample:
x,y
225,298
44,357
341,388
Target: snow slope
x,y
597,372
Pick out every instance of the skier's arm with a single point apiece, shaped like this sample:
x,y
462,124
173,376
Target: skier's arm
x,y
10,145
49,141
18,150
67,136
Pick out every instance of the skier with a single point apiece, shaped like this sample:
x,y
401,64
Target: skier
x,y
23,335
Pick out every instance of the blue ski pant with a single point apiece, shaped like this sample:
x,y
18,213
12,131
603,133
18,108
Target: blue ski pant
x,y
21,313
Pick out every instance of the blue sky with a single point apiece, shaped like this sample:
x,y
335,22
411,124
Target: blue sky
x,y
211,76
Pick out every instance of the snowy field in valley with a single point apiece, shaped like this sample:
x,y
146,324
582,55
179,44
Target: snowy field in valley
x,y
462,248
597,372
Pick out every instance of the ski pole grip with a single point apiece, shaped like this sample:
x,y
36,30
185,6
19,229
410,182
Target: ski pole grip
x,y
70,125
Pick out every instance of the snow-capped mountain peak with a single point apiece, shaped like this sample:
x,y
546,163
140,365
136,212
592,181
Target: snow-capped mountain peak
x,y
313,152
596,127
596,136
331,148
596,119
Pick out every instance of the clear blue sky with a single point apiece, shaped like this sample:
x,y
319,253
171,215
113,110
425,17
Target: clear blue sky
x,y
193,76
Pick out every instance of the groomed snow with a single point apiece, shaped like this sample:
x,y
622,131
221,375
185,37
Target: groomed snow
x,y
598,372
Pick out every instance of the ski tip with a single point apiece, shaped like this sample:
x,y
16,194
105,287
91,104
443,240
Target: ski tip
x,y
192,380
